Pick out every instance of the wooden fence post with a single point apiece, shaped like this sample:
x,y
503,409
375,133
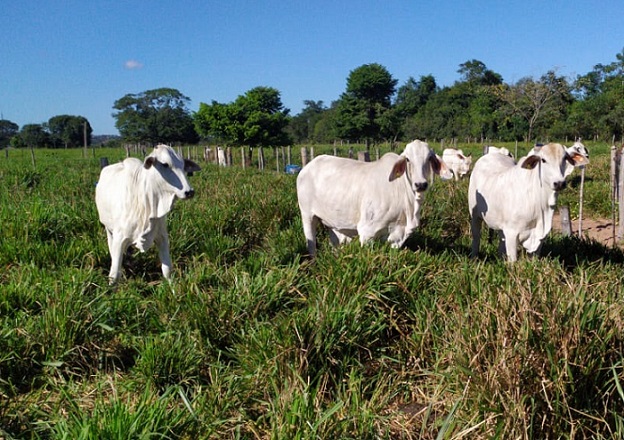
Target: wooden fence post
x,y
620,196
580,220
363,156
261,158
103,162
566,225
304,156
228,156
614,188
243,157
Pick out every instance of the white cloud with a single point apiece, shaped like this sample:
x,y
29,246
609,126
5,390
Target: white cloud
x,y
133,65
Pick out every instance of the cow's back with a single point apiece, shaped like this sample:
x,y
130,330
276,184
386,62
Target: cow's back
x,y
334,188
111,191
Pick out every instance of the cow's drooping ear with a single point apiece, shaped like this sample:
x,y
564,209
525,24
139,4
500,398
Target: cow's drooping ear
x,y
190,166
398,169
531,162
436,164
439,167
576,159
149,161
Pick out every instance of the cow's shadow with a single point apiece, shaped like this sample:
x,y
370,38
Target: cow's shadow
x,y
573,251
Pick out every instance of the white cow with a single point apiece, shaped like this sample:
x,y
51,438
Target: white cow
x,y
579,148
379,199
457,161
518,200
133,198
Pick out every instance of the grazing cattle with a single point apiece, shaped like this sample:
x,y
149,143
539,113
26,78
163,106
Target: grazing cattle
x,y
457,161
133,198
518,200
379,199
579,148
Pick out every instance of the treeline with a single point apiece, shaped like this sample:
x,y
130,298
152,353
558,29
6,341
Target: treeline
x,y
62,131
373,108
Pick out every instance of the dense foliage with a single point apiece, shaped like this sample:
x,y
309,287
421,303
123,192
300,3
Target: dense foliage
x,y
252,340
256,119
155,116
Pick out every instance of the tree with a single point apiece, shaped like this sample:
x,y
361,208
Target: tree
x,y
367,97
8,129
153,116
256,119
475,72
69,131
31,136
532,99
599,109
301,126
414,94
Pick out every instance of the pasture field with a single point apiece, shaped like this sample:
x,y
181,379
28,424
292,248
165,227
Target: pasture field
x,y
251,340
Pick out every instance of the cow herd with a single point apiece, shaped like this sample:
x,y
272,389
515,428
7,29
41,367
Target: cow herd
x,y
371,200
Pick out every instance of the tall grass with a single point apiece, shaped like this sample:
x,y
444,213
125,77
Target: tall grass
x,y
251,339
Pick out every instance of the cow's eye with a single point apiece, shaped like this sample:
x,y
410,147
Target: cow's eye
x,y
166,165
543,160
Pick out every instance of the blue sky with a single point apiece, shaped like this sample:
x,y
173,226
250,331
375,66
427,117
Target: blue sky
x,y
79,57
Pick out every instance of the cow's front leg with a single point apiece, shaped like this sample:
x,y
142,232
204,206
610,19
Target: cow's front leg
x,y
117,246
398,235
511,245
163,253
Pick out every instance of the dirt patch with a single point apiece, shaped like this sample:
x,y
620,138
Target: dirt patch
x,y
600,230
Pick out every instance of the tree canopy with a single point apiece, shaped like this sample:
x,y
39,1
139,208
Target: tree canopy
x,y
361,109
257,119
31,136
69,131
154,116
8,129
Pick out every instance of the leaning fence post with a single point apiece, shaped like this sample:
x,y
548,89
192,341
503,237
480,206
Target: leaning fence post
x,y
614,186
620,197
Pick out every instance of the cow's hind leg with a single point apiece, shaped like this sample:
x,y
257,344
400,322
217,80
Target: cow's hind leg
x,y
310,223
475,228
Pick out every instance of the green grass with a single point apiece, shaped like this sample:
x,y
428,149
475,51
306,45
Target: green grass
x,y
252,340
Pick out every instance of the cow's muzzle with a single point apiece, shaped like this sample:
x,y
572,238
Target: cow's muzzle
x,y
189,194
558,186
421,186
